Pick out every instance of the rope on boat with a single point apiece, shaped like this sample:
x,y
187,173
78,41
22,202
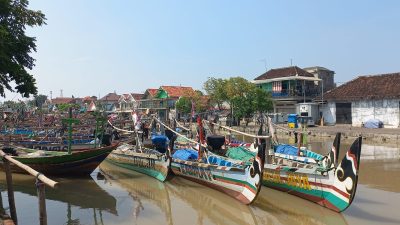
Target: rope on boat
x,y
239,132
183,136
119,129
181,126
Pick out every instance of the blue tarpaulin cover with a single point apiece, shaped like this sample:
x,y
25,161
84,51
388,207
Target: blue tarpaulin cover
x,y
185,154
286,149
159,140
373,123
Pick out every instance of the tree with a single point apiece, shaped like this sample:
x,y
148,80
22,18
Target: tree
x,y
38,101
215,88
183,105
15,46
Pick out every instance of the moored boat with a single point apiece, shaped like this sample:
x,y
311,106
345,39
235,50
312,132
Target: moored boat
x,y
327,182
241,181
154,162
77,163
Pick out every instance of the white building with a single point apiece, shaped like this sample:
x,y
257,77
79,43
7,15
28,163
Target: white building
x,y
364,98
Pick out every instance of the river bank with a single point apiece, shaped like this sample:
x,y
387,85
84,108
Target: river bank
x,y
381,135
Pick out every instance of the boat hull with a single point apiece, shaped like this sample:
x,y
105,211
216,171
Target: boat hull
x,y
241,184
153,165
76,164
310,186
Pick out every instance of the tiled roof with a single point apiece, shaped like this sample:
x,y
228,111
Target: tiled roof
x,y
137,96
152,91
284,72
61,100
385,86
177,91
110,97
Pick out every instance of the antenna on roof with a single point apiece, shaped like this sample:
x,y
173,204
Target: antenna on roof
x,y
265,63
291,62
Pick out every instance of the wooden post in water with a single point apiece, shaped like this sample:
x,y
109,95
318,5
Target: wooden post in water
x,y
42,202
10,190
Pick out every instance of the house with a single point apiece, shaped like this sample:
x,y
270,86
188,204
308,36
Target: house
x,y
289,86
110,102
364,98
163,99
326,76
129,102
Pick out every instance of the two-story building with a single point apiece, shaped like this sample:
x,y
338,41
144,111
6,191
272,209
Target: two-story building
x,y
109,102
289,86
163,99
128,103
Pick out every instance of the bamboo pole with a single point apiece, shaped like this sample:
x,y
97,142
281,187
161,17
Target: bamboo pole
x,y
28,169
10,190
42,202
239,132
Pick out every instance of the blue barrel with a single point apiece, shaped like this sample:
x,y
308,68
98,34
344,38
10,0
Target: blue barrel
x,y
292,120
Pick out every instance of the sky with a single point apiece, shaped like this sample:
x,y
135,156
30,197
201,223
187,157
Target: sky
x,y
94,47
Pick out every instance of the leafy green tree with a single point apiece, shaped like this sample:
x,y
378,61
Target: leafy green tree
x,y
215,88
38,101
183,105
243,97
15,46
64,107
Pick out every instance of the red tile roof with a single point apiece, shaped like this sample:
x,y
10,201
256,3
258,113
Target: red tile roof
x,y
284,72
61,100
385,86
178,91
152,91
137,96
110,97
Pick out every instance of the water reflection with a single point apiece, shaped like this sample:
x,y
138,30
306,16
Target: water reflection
x,y
140,189
275,207
80,192
185,202
119,196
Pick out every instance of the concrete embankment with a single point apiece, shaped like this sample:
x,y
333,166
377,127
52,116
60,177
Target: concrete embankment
x,y
381,135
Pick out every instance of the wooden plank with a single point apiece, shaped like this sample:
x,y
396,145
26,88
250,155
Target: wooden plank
x,y
10,190
28,169
42,202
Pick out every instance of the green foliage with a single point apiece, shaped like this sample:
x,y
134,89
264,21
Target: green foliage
x,y
215,88
38,101
183,105
244,98
65,106
15,46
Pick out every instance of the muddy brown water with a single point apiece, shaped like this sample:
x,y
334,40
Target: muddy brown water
x,y
112,195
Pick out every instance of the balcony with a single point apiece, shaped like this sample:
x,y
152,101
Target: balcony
x,y
295,94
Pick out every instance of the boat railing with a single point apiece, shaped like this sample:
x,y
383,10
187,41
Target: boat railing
x,y
41,181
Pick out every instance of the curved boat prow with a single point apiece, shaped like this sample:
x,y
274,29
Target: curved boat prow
x,y
257,168
331,160
346,175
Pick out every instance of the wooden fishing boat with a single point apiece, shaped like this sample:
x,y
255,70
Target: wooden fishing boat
x,y
76,163
327,182
154,161
241,181
143,160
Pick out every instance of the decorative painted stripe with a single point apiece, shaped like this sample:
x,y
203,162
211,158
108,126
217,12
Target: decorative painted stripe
x,y
328,186
329,200
236,182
